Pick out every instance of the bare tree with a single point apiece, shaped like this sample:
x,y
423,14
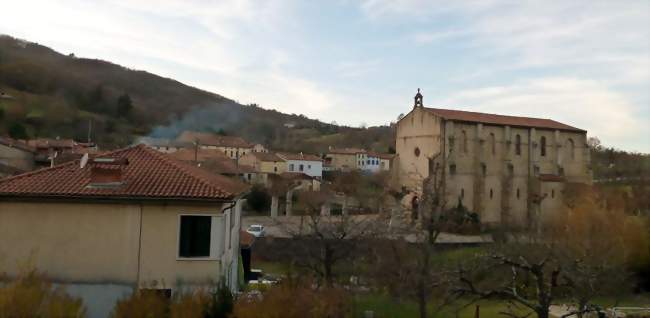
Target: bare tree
x,y
580,256
322,241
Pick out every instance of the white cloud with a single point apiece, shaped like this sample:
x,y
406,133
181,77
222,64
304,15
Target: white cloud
x,y
586,104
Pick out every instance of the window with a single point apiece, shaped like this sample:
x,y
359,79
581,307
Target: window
x,y
484,169
552,193
291,167
464,141
518,145
416,151
232,153
493,144
275,169
368,161
462,193
302,167
309,167
517,193
542,146
194,236
452,169
491,193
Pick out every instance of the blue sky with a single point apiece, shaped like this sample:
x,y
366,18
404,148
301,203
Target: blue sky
x,y
585,63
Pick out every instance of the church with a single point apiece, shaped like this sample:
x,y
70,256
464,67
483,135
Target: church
x,y
510,170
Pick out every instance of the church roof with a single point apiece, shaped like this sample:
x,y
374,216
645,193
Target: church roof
x,y
494,119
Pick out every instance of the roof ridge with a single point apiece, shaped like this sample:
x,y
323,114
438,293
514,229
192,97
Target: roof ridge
x,y
184,168
484,113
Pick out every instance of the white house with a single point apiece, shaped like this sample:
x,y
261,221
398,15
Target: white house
x,y
310,165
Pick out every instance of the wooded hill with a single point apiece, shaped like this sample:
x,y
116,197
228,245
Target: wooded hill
x,y
51,94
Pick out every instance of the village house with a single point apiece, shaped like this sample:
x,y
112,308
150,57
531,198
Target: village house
x,y
129,219
346,159
265,164
50,151
15,157
510,170
215,161
163,144
234,147
310,165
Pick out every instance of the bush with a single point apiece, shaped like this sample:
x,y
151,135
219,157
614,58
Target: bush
x,y
184,304
295,302
31,294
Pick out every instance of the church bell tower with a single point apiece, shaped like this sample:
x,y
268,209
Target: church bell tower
x,y
418,100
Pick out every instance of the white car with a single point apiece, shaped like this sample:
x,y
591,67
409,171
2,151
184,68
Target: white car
x,y
256,230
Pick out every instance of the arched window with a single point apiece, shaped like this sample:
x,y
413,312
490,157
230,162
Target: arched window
x,y
493,144
570,147
464,141
518,145
542,146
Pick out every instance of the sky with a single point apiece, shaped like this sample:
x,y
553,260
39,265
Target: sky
x,y
584,63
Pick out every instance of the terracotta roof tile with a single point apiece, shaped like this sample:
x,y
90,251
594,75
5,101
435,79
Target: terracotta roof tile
x,y
148,175
9,142
298,156
266,156
466,116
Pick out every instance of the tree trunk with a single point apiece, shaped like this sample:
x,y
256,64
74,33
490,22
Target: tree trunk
x,y
327,264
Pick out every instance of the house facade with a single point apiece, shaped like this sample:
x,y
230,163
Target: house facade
x,y
264,164
346,159
130,219
310,165
510,170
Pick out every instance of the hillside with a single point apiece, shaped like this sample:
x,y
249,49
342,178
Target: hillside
x,y
52,94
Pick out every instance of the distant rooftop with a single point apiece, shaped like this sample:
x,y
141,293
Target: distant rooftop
x,y
210,139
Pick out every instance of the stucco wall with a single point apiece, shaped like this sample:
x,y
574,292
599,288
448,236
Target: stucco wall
x,y
418,129
99,243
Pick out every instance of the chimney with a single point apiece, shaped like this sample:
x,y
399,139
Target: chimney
x,y
107,172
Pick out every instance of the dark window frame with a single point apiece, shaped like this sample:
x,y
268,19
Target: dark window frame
x,y
192,234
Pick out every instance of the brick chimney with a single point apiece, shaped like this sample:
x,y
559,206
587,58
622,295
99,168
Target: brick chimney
x,y
107,172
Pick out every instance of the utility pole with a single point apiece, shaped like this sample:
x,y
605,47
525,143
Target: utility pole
x,y
90,128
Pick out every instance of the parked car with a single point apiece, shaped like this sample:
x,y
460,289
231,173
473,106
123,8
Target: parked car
x,y
256,230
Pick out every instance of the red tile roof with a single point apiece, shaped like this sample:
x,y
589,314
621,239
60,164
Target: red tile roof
x,y
298,156
466,116
187,154
209,139
346,151
13,143
266,156
148,175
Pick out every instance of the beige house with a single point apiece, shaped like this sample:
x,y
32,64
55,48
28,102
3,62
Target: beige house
x,y
510,170
232,146
132,218
264,163
346,159
15,157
